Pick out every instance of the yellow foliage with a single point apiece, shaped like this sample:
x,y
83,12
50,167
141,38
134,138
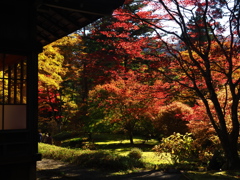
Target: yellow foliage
x,y
54,62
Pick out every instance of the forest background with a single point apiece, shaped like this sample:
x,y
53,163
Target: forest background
x,y
153,68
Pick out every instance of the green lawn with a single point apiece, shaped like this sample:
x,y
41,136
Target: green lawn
x,y
122,147
112,152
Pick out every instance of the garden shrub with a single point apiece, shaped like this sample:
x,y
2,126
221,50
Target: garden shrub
x,y
206,146
135,153
89,146
75,143
205,138
90,159
180,147
107,160
171,118
62,136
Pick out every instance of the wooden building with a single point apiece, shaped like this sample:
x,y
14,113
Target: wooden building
x,y
25,27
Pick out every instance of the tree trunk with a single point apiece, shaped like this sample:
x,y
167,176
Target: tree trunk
x,y
131,137
232,157
59,126
230,148
229,140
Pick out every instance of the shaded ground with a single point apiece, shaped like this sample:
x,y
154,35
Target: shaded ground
x,y
48,169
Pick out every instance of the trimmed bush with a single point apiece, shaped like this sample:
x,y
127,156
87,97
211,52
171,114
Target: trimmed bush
x,y
107,160
135,153
90,159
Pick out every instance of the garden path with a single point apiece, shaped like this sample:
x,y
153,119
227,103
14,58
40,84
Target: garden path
x,y
48,169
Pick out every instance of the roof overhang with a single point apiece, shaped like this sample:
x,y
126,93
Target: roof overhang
x,y
58,18
31,24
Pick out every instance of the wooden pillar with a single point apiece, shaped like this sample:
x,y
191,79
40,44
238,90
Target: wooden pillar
x,y
18,144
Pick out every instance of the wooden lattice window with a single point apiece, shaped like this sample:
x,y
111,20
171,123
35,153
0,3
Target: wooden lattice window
x,y
13,98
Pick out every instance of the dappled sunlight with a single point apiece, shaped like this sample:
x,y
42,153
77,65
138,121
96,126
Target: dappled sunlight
x,y
124,145
152,158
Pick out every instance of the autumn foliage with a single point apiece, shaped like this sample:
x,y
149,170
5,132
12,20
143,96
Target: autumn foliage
x,y
127,102
154,66
172,118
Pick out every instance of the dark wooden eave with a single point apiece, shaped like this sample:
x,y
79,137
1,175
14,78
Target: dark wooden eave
x,y
58,18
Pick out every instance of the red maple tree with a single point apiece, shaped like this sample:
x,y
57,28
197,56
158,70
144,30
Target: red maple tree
x,y
204,65
127,102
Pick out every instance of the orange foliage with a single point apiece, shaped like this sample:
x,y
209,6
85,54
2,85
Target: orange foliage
x,y
172,118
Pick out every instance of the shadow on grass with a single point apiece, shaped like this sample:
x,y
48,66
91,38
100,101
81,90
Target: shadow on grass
x,y
105,137
68,172
124,147
107,161
71,172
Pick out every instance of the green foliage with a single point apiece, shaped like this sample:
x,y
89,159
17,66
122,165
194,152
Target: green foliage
x,y
58,153
107,160
90,159
90,146
59,90
135,153
180,147
76,142
115,145
114,162
62,136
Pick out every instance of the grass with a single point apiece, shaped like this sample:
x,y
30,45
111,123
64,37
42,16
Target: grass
x,y
90,158
121,146
112,154
124,145
112,143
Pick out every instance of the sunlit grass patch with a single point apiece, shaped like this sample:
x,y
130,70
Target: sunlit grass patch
x,y
91,158
152,158
59,153
113,156
113,143
106,137
122,145
119,138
